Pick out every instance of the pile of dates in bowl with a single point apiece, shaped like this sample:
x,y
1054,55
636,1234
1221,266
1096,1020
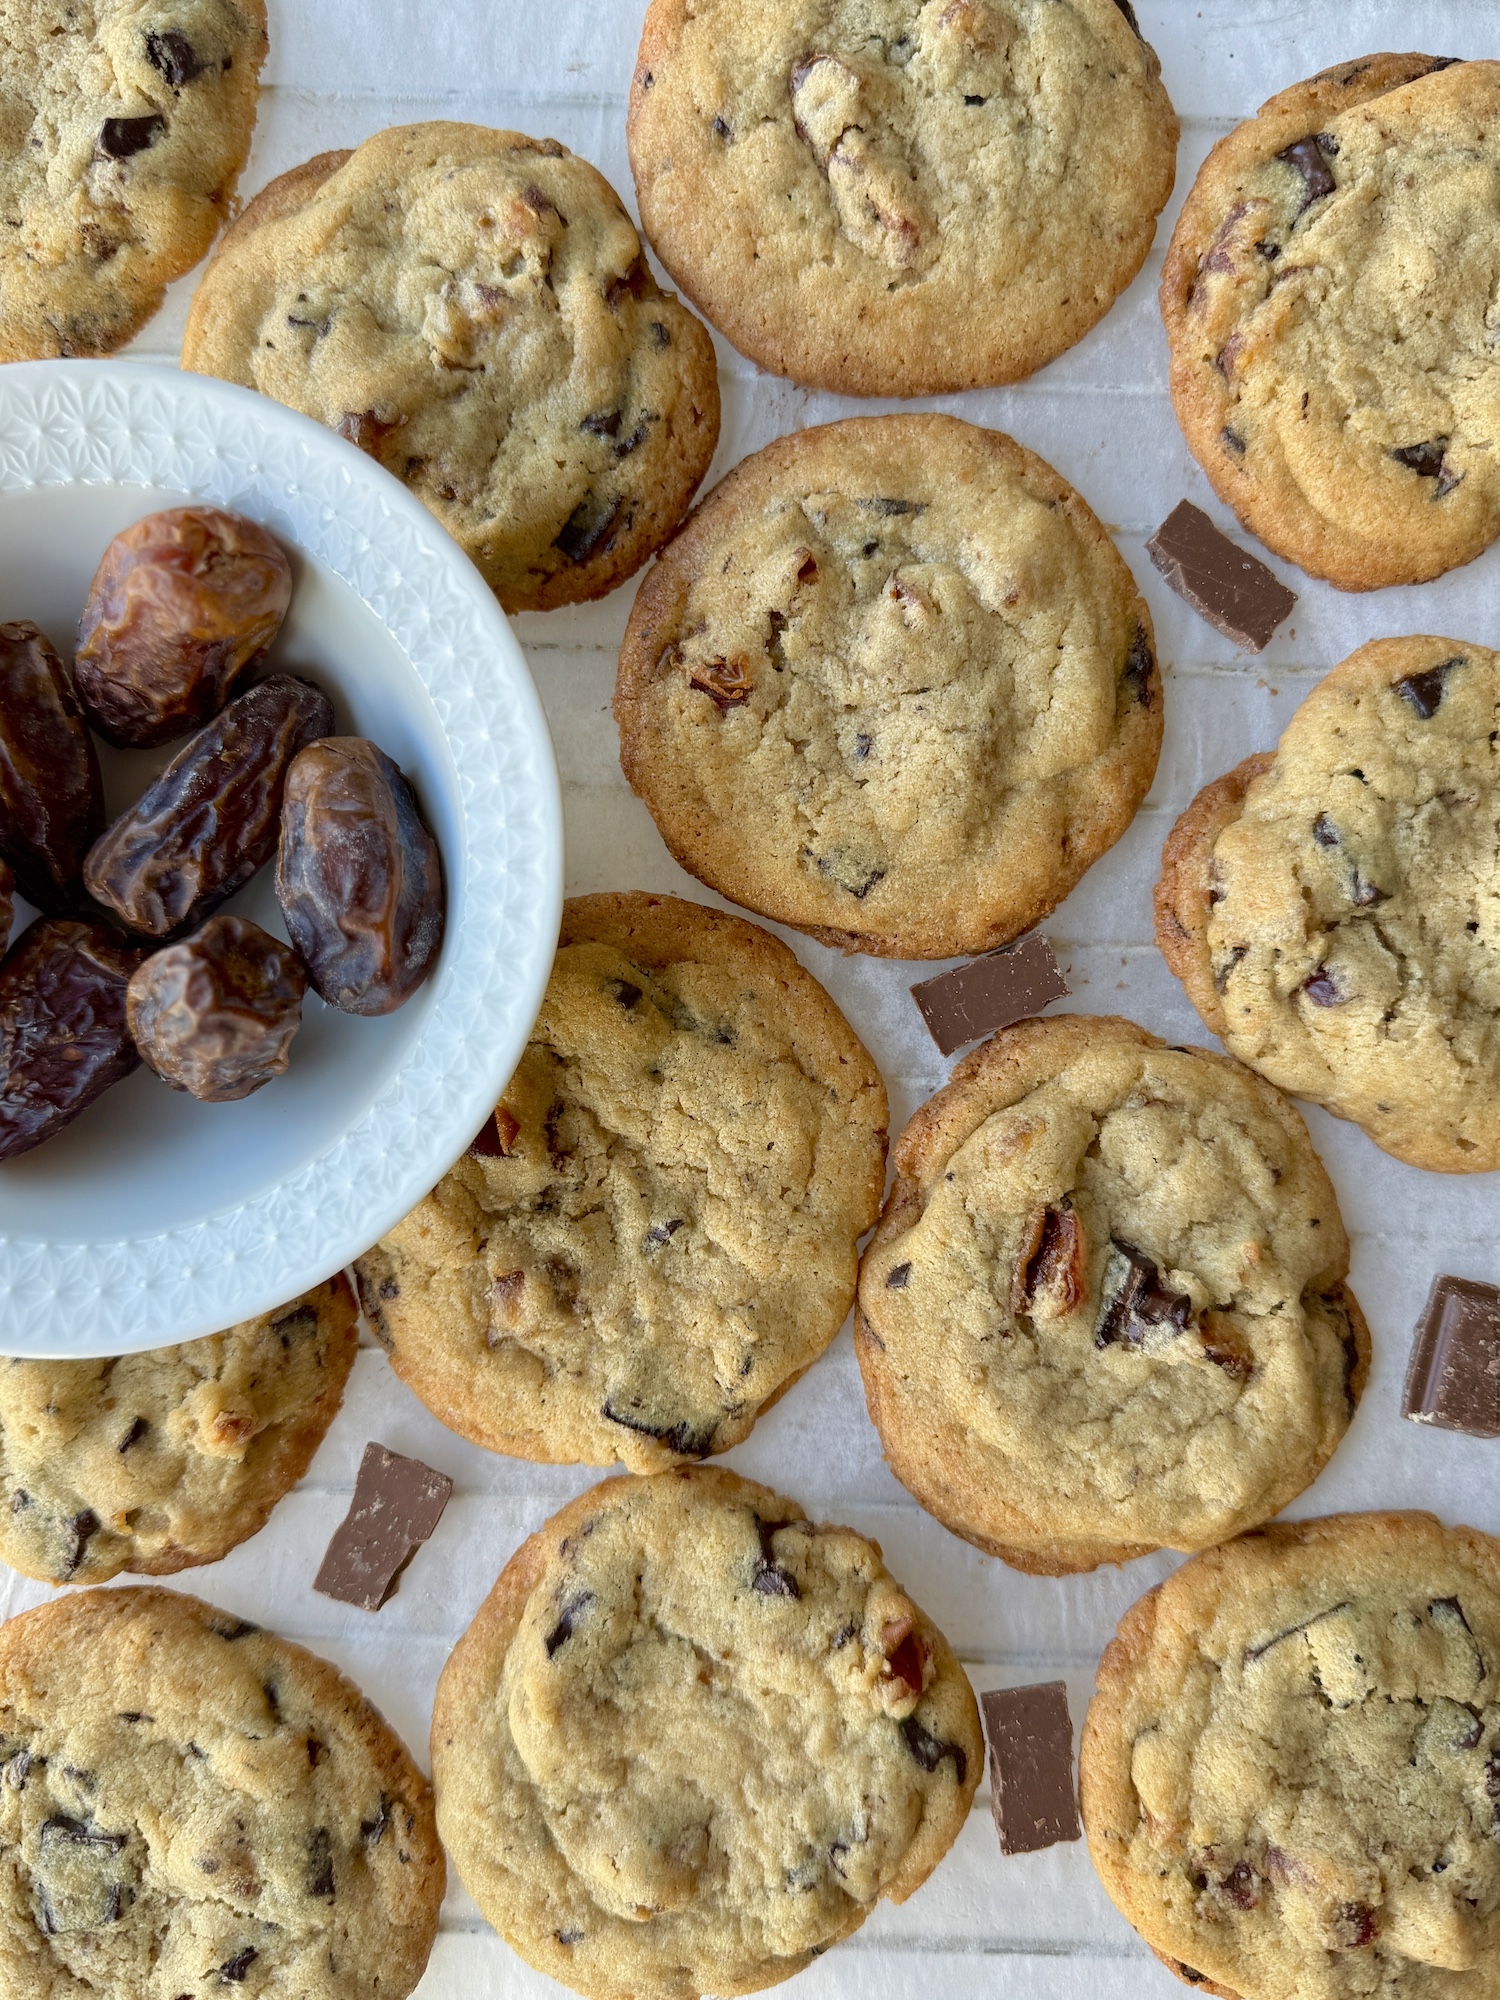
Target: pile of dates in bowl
x,y
132,959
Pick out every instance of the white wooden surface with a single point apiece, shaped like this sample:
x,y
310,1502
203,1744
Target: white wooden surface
x,y
1038,1927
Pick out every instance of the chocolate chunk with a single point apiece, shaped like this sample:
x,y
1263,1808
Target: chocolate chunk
x,y
567,1622
120,137
397,1504
173,56
1233,590
1031,1766
624,991
1453,1380
234,1970
1140,668
588,530
1134,1307
1264,1646
662,1232
770,1579
133,1436
82,1528
320,1864
897,1277
989,993
1429,461
1424,691
1323,989
930,1750
1309,157
495,1137
367,429
680,1437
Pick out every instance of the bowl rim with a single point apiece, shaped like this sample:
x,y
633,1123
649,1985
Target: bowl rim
x,y
128,422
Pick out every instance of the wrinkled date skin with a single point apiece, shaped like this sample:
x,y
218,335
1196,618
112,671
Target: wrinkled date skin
x,y
358,876
215,1015
181,604
51,794
210,820
63,1038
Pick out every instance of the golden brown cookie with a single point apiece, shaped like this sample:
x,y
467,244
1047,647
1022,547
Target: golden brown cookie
x,y
893,198
691,1739
474,309
1288,1770
124,128
191,1805
892,684
1330,908
155,1462
1329,300
657,1232
1105,1308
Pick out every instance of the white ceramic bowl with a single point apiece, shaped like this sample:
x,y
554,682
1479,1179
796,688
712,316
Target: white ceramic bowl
x,y
153,1218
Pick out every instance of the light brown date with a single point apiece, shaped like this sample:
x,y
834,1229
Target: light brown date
x,y
210,820
63,1038
51,794
358,876
181,605
215,1015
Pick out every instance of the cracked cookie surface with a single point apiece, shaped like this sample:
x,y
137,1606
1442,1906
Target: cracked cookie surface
x,y
473,309
154,1462
1329,298
659,1233
893,685
1104,1311
1334,909
1289,1767
691,1739
123,128
886,197
191,1804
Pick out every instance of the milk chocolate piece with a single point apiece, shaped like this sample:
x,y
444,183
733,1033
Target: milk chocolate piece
x,y
974,1000
1031,1766
1453,1380
397,1504
1234,591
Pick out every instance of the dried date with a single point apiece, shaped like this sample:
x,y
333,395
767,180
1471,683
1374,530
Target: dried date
x,y
215,1015
51,794
181,605
63,1037
358,876
210,820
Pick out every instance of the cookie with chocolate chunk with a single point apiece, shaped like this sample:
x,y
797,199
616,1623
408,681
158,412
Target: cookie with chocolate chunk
x,y
691,1739
474,310
124,129
192,1805
1331,907
655,1234
155,1462
893,685
1288,1767
906,199
1329,300
1105,1309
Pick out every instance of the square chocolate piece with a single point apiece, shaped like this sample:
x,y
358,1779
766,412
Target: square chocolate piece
x,y
1032,1794
1453,1380
1225,584
988,993
397,1503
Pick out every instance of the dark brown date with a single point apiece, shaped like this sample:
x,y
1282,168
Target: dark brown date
x,y
358,876
51,794
215,1015
181,604
210,820
63,1038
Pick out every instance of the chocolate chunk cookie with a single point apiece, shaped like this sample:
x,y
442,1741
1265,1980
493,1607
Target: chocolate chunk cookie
x,y
1105,1308
1289,1766
154,1462
1331,908
123,128
190,1804
655,1234
892,684
893,198
1329,299
691,1739
474,309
